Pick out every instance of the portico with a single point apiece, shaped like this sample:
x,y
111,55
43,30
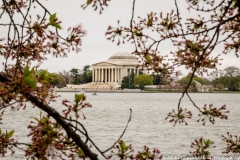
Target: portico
x,y
111,74
118,65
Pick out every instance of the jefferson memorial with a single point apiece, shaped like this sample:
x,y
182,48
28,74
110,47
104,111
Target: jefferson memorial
x,y
119,65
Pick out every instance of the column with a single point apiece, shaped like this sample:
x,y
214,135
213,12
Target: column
x,y
95,74
99,74
115,74
120,75
102,75
109,75
116,78
105,75
110,69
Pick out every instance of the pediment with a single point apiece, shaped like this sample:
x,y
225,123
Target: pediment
x,y
104,63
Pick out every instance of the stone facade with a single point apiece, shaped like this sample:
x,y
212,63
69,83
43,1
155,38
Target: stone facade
x,y
118,65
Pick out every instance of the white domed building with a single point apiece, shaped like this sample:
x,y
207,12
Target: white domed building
x,y
112,71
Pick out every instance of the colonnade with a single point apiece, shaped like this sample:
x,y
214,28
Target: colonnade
x,y
111,74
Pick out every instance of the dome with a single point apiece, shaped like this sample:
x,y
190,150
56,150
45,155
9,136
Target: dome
x,y
122,55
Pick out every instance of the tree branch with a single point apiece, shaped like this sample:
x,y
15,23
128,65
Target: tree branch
x,y
52,112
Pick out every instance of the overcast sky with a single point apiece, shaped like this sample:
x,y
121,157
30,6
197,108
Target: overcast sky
x,y
95,46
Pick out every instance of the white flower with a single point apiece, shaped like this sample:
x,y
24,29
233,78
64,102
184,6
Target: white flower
x,y
64,55
78,50
38,84
40,127
178,73
182,44
55,157
54,40
50,151
179,59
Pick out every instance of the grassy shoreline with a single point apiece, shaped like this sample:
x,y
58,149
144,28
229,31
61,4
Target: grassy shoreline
x,y
136,91
170,91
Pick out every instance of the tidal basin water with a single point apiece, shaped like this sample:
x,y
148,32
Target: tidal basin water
x,y
110,112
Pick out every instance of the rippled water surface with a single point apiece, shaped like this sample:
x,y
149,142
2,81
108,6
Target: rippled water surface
x,y
110,113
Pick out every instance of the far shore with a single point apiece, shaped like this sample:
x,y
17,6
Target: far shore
x,y
91,90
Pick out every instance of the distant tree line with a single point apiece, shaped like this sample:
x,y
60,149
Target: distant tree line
x,y
78,76
73,76
226,79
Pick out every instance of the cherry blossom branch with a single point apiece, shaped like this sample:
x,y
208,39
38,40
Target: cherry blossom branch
x,y
207,10
53,113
